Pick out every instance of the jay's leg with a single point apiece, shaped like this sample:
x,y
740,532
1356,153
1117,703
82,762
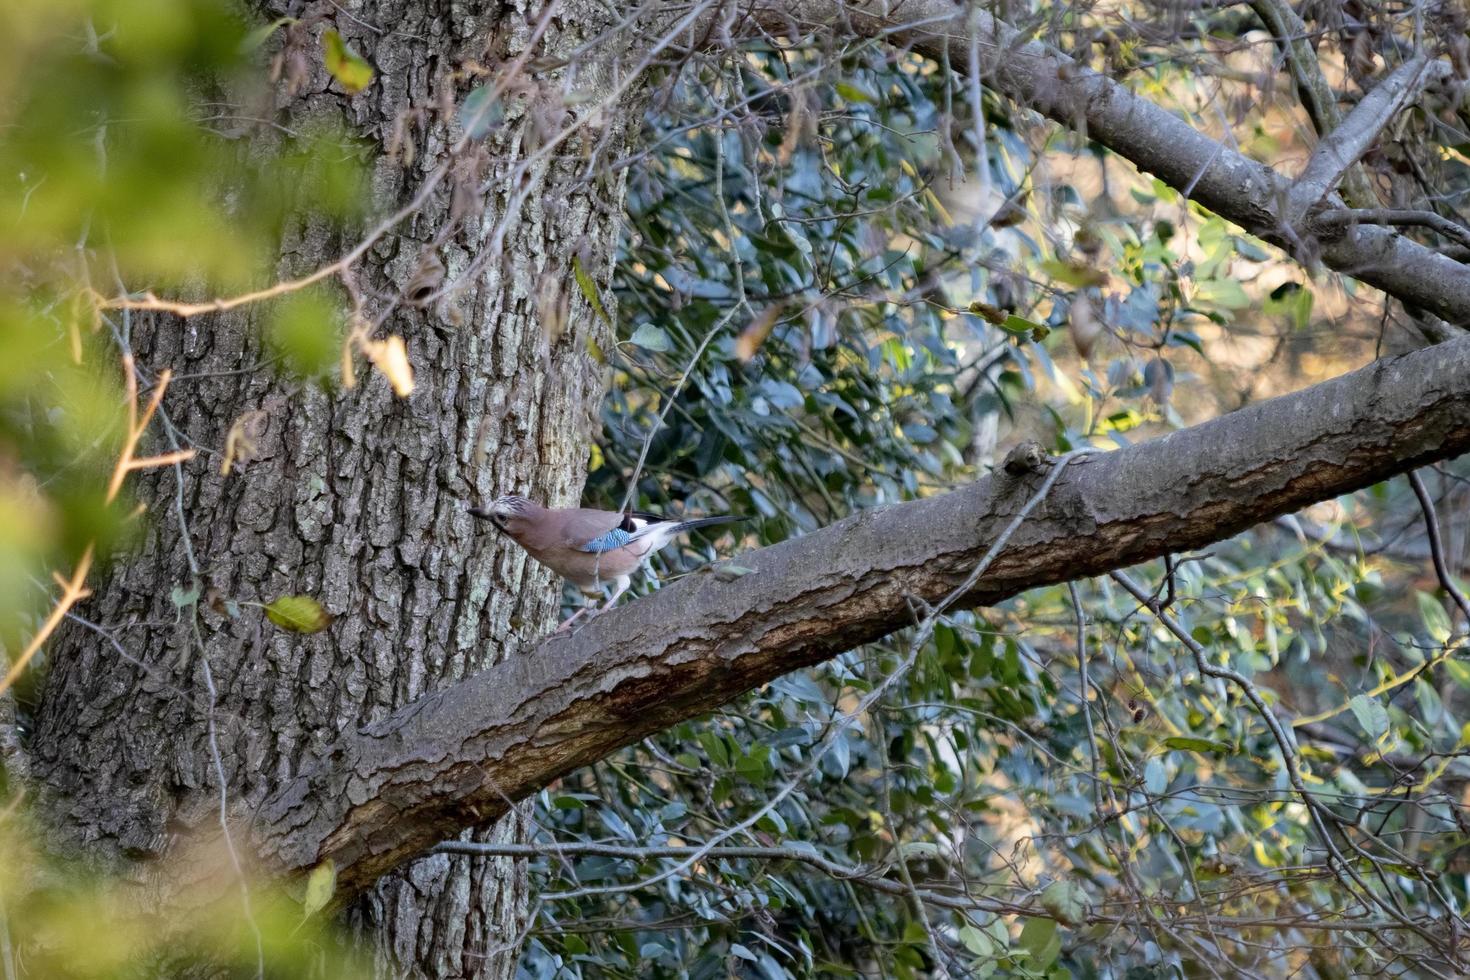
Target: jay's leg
x,y
612,600
587,607
592,609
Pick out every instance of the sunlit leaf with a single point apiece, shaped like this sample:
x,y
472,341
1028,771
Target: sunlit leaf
x,y
588,288
756,332
348,67
390,356
298,613
321,884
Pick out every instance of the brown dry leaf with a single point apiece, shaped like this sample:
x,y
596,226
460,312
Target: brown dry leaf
x,y
993,314
242,443
1011,212
1084,324
756,332
349,375
390,356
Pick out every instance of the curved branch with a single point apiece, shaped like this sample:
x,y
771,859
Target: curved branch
x,y
390,791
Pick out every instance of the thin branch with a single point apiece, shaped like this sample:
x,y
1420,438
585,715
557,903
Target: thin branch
x,y
1396,218
1436,546
848,720
1286,745
1240,189
871,878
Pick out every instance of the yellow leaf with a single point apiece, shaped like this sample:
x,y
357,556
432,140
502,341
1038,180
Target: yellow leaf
x,y
320,885
588,287
756,332
347,66
298,613
349,376
390,356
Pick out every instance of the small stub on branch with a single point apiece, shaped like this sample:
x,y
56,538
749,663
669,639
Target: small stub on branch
x,y
1026,457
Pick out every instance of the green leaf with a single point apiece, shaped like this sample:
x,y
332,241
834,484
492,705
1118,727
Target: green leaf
x,y
348,67
1067,901
977,942
714,747
1370,714
478,114
1040,939
651,338
1187,743
305,329
1020,325
298,613
852,93
914,932
1077,274
589,290
1225,293
320,885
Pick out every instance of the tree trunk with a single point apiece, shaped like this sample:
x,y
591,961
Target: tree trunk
x,y
357,497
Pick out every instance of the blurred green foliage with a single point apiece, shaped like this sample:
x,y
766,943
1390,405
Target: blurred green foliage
x,y
63,919
119,164
113,170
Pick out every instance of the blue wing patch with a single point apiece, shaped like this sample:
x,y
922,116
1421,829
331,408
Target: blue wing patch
x,y
611,541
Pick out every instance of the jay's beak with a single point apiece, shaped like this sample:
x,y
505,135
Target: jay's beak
x,y
485,514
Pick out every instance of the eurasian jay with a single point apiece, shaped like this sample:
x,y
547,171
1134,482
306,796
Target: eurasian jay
x,y
587,547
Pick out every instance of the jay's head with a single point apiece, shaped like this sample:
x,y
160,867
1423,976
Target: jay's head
x,y
509,513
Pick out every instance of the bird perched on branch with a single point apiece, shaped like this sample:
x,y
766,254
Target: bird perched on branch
x,y
588,547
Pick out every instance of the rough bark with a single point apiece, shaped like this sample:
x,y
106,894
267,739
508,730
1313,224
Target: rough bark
x,y
356,497
382,795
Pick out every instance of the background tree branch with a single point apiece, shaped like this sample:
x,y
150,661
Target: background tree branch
x,y
1155,140
390,791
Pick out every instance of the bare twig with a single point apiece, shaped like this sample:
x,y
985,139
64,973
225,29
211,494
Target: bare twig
x,y
74,589
872,879
1436,546
1396,218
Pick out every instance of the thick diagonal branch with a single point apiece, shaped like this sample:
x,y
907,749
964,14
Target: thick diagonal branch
x,y
389,792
